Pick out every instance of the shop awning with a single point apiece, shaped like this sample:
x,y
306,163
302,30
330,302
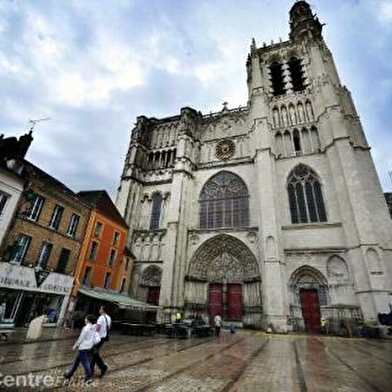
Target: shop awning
x,y
122,300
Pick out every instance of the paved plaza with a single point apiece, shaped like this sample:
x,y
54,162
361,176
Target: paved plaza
x,y
244,361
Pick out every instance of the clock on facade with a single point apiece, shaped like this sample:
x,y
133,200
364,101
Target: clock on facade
x,y
225,149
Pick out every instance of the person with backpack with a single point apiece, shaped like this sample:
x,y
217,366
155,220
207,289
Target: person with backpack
x,y
103,325
84,345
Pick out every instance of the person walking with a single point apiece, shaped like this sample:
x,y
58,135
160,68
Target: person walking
x,y
324,326
84,344
218,324
178,317
104,323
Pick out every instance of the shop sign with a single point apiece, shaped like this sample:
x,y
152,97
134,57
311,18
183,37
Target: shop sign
x,y
57,284
17,277
40,276
26,278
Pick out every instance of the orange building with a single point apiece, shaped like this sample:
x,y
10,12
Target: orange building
x,y
103,247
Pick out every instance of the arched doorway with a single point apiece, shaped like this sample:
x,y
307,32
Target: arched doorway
x,y
310,290
150,286
223,278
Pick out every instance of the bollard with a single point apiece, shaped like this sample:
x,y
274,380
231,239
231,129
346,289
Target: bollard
x,y
35,328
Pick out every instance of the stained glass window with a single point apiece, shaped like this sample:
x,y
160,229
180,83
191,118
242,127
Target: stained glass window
x,y
305,196
224,202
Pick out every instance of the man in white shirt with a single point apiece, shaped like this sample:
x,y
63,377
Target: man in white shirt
x,y
104,323
218,324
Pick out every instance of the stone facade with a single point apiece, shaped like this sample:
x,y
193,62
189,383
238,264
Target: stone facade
x,y
388,199
275,207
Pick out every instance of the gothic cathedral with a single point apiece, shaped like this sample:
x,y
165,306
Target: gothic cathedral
x,y
266,214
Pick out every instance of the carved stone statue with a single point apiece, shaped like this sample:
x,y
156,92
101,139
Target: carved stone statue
x,y
293,116
301,113
285,119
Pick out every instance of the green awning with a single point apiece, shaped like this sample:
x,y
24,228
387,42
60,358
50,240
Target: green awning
x,y
122,300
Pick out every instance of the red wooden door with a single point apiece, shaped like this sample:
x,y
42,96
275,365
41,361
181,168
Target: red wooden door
x,y
216,299
153,299
234,301
153,295
310,310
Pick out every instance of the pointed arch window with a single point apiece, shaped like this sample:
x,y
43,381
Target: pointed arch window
x,y
156,211
305,196
224,202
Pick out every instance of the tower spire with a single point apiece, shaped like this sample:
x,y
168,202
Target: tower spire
x,y
303,23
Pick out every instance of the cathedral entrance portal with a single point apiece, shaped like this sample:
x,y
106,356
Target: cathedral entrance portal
x,y
310,310
150,288
309,290
226,300
223,278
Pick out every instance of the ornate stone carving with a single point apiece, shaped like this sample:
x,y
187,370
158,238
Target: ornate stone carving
x,y
151,276
307,280
308,277
194,239
223,257
225,267
251,237
230,123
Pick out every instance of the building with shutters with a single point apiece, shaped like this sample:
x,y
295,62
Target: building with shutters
x,y
104,262
271,213
41,248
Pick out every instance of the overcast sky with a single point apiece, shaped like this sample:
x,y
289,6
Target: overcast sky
x,y
94,66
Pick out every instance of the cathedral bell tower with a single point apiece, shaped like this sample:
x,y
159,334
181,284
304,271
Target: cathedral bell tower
x,y
305,125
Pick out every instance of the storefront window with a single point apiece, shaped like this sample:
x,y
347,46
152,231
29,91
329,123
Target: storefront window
x,y
46,304
20,307
9,304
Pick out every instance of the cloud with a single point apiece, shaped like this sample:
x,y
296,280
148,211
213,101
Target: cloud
x,y
94,67
385,11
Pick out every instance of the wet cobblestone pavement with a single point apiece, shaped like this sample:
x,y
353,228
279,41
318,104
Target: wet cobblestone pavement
x,y
246,362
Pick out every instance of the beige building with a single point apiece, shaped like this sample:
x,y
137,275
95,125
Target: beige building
x,y
39,254
269,213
